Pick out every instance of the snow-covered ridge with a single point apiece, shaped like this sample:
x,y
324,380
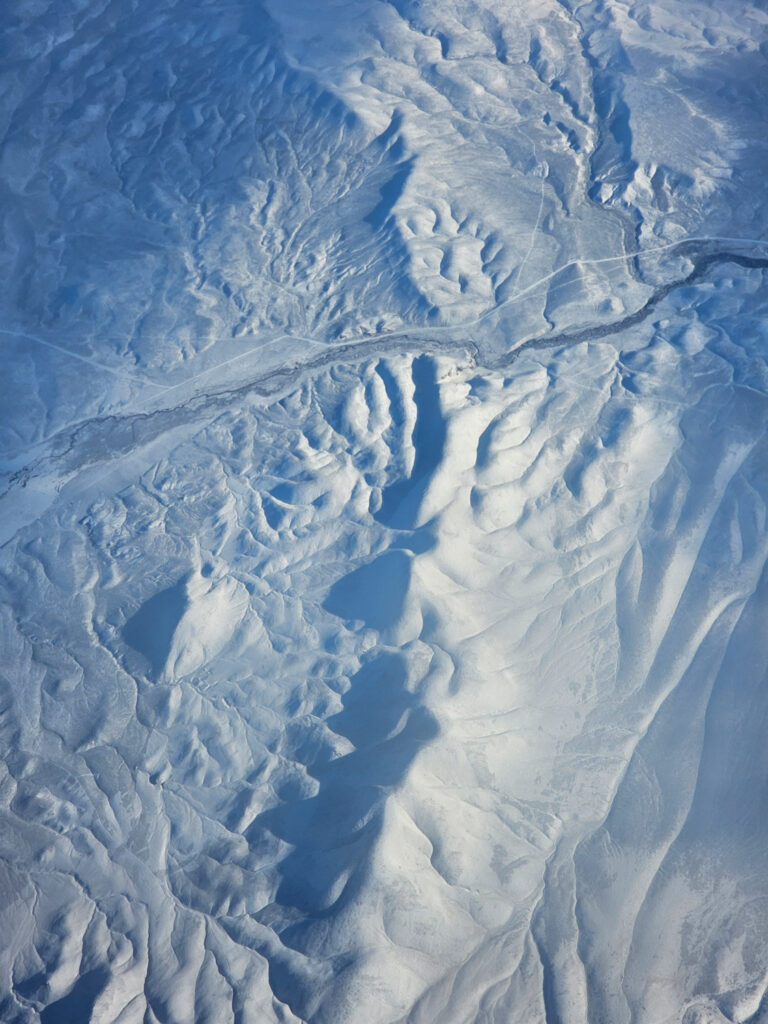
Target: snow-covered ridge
x,y
384,537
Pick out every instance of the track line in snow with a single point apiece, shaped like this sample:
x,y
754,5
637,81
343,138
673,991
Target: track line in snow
x,y
85,359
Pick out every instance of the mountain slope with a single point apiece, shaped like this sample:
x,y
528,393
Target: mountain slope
x,y
384,514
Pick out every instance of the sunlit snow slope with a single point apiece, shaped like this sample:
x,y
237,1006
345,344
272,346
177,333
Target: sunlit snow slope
x,y
383,541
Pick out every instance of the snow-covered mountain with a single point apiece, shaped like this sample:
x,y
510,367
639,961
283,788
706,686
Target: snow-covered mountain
x,y
384,561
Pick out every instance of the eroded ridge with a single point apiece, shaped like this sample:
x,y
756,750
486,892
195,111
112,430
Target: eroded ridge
x,y
383,531
362,691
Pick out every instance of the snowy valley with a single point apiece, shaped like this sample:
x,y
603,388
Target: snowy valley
x,y
383,543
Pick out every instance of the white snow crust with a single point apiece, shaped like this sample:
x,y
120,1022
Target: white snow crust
x,y
383,543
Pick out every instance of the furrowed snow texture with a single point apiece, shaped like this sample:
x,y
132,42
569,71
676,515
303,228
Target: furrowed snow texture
x,y
384,561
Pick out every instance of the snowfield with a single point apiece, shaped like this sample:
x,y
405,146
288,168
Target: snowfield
x,y
383,541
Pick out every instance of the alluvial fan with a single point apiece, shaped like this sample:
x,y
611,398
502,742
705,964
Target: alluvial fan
x,y
383,542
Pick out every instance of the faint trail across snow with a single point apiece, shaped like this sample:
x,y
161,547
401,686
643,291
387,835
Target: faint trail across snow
x,y
85,359
541,171
597,331
668,247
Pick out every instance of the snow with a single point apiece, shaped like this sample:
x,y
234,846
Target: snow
x,y
383,515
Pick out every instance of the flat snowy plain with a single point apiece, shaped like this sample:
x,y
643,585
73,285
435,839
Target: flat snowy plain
x,y
384,556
